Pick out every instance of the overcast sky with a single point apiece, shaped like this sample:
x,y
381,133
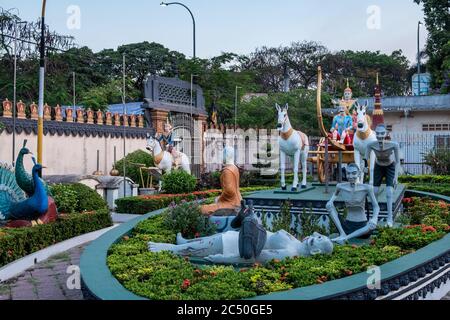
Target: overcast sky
x,y
236,25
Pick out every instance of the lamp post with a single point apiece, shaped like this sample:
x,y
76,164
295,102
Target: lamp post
x,y
418,57
41,85
236,107
166,4
192,91
15,92
124,97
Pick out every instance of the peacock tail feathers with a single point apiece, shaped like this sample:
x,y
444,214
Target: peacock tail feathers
x,y
10,192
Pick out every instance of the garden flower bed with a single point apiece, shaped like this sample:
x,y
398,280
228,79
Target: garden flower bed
x,y
163,276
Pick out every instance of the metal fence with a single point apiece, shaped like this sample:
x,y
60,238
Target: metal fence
x,y
413,148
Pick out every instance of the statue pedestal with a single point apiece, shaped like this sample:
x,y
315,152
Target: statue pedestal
x,y
299,191
49,217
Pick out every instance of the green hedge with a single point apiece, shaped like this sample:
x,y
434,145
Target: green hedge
x,y
18,243
442,189
146,204
424,179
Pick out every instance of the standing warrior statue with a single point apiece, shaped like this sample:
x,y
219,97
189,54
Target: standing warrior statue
x,y
294,144
354,195
387,165
347,101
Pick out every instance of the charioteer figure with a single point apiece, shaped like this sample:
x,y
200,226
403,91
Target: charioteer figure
x,y
344,120
387,166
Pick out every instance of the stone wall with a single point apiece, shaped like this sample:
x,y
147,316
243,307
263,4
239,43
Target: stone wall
x,y
71,143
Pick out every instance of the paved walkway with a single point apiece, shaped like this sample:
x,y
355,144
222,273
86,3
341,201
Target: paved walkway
x,y
46,281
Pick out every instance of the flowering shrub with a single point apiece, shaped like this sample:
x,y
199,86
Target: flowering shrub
x,y
409,238
417,209
187,219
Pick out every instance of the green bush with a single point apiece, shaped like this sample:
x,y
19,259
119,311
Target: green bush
x,y
65,198
439,161
187,219
424,179
178,181
18,243
133,162
77,197
88,199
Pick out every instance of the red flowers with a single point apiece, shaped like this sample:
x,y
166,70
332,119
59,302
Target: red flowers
x,y
186,284
322,279
407,200
424,228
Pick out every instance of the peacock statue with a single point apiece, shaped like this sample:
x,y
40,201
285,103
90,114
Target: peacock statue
x,y
13,203
24,179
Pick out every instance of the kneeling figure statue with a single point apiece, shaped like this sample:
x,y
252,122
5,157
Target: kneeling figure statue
x,y
354,195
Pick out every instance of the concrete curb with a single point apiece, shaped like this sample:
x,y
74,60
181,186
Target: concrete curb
x,y
19,266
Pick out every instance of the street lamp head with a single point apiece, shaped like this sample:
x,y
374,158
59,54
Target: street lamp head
x,y
163,4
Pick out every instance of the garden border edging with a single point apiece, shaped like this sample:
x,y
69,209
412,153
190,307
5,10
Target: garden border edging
x,y
99,283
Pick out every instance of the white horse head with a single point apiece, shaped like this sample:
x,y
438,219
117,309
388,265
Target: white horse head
x,y
283,116
363,118
151,143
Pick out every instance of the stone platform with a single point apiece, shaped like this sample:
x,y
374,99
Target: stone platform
x,y
314,198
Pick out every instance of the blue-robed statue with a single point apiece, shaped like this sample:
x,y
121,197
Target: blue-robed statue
x,y
342,122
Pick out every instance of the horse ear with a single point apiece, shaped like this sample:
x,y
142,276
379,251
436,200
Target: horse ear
x,y
286,106
277,106
366,105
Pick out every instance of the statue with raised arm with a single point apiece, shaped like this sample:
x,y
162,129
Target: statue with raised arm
x,y
387,166
354,195
252,244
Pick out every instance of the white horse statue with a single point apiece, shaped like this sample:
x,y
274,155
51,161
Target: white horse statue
x,y
294,144
364,135
164,160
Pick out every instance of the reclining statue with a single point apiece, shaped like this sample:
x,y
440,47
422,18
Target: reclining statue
x,y
252,244
229,202
354,195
